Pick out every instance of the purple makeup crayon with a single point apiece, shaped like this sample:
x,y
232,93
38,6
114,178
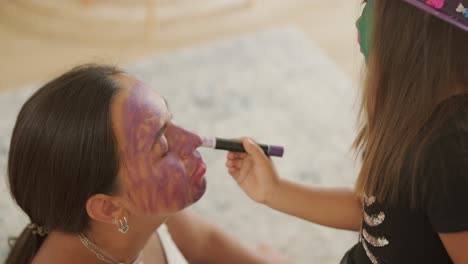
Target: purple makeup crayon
x,y
236,146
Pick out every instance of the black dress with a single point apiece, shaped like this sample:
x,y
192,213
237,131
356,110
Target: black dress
x,y
398,234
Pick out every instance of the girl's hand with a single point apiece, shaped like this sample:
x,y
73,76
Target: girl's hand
x,y
253,171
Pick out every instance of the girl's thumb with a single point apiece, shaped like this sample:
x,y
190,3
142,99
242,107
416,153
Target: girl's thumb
x,y
252,148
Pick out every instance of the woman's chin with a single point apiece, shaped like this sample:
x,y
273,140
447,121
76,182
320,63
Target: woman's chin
x,y
198,190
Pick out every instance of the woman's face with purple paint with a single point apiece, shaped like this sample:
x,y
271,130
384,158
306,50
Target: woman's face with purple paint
x,y
161,171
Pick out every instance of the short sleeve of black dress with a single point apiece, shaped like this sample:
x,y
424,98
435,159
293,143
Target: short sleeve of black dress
x,y
447,172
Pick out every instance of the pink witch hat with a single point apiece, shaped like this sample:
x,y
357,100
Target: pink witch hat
x,y
452,11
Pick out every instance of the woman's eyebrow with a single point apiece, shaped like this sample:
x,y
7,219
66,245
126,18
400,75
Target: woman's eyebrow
x,y
161,131
167,104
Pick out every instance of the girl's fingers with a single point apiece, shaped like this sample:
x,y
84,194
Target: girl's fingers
x,y
234,164
242,155
238,164
236,155
234,173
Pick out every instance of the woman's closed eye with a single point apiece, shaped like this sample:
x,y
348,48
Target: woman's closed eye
x,y
165,153
165,148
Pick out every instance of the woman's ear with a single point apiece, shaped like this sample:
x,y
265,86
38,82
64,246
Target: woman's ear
x,y
103,208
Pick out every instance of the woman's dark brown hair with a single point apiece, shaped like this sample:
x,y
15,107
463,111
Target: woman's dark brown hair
x,y
63,150
417,61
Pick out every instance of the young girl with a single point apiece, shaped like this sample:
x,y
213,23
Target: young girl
x,y
98,165
410,202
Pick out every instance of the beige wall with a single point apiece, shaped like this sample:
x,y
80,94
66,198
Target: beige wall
x,y
32,52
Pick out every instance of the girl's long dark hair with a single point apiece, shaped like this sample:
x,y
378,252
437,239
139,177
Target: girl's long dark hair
x,y
63,150
417,60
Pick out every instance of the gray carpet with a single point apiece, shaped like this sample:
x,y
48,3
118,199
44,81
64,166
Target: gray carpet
x,y
275,86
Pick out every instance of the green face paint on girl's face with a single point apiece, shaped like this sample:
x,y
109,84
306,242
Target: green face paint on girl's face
x,y
364,26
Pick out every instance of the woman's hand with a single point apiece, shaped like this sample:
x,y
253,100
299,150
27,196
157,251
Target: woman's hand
x,y
253,171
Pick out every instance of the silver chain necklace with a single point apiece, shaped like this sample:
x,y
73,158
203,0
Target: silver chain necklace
x,y
101,254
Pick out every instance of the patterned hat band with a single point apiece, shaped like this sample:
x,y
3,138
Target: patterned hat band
x,y
452,11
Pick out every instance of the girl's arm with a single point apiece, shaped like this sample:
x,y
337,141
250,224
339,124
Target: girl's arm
x,y
456,245
256,175
202,242
337,208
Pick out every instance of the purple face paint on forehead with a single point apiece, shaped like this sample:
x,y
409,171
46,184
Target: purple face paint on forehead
x,y
140,116
157,184
145,110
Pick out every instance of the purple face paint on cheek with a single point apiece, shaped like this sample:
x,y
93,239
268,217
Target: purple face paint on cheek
x,y
142,117
155,184
175,191
185,143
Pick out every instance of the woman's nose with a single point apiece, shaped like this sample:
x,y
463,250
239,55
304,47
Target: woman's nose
x,y
186,140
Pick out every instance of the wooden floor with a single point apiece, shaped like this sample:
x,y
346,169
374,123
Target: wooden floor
x,y
31,55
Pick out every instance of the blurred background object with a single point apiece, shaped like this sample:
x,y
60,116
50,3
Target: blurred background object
x,y
67,17
66,32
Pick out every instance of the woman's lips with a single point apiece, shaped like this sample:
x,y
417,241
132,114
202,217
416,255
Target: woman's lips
x,y
199,172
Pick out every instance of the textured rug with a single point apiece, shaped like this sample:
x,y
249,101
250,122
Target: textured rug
x,y
275,86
